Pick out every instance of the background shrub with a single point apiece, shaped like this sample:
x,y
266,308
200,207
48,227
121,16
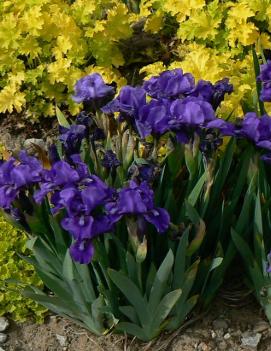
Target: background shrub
x,y
13,267
47,45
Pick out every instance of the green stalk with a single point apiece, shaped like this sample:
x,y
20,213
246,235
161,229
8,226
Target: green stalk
x,y
258,84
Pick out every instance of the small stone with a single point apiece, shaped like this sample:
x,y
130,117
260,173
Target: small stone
x,y
32,144
261,326
4,323
213,334
202,347
61,339
227,336
1,349
222,345
251,340
220,324
3,338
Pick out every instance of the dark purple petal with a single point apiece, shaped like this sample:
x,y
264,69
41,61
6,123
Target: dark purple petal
x,y
224,127
95,194
81,227
82,251
204,90
182,137
91,87
266,158
170,84
159,217
129,101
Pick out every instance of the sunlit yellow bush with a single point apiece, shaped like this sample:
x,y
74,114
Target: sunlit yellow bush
x,y
46,45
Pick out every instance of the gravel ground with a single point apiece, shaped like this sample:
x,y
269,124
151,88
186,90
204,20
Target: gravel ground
x,y
222,328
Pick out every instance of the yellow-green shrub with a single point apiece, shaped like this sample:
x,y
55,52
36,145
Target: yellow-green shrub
x,y
213,41
12,266
46,45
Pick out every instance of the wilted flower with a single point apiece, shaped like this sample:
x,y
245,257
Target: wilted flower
x,y
97,134
221,88
265,78
84,119
92,89
210,142
214,94
53,154
170,84
110,160
72,138
142,172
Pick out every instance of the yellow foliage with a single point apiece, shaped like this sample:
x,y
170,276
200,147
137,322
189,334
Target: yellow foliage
x,y
155,22
181,8
48,44
11,98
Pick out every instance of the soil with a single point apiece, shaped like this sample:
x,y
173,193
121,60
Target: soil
x,y
222,328
15,129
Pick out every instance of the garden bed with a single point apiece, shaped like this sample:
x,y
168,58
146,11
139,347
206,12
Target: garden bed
x,y
223,328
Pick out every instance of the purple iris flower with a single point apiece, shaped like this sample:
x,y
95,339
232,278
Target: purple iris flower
x,y
256,129
138,200
92,88
95,194
191,112
204,89
170,84
72,138
265,78
17,176
83,197
61,174
128,102
82,251
68,198
153,118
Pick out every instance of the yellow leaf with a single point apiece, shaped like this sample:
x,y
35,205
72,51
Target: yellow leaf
x,y
155,22
11,99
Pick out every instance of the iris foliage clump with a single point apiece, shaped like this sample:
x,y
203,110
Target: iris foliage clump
x,y
137,213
